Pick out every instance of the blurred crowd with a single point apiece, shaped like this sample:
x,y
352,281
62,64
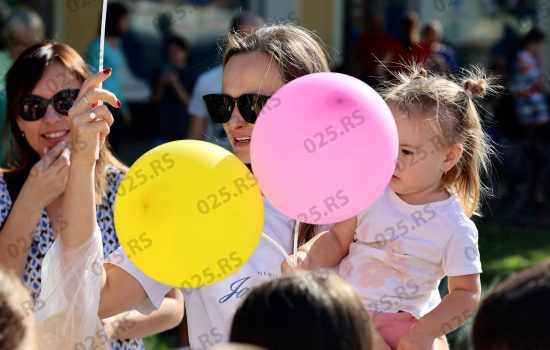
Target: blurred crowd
x,y
517,120
162,98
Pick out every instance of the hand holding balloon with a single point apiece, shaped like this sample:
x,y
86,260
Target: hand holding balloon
x,y
287,266
89,120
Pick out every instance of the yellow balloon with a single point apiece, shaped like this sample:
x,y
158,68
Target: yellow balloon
x,y
189,213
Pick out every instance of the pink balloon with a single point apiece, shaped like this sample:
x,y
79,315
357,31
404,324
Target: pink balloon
x,y
324,147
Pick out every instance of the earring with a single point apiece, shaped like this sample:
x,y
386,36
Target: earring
x,y
22,134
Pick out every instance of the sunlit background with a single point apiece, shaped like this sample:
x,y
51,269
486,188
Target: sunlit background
x,y
515,228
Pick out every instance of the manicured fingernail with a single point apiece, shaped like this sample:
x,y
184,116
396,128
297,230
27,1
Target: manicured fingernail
x,y
118,103
107,71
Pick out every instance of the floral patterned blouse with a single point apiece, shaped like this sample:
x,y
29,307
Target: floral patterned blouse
x,y
44,238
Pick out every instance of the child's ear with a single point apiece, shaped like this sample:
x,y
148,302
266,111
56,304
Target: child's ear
x,y
454,152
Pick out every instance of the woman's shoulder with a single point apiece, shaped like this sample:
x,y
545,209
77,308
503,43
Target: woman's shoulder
x,y
5,200
114,175
3,184
3,181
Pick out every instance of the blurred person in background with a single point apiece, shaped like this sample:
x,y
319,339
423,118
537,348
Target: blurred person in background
x,y
173,93
22,28
533,116
371,47
440,57
210,82
116,25
528,84
407,49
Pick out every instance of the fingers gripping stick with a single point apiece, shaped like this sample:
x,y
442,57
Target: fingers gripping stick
x,y
101,51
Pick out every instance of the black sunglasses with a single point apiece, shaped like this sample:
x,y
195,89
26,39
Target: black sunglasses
x,y
220,106
34,107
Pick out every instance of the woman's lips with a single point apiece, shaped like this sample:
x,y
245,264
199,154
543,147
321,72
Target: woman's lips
x,y
239,141
53,138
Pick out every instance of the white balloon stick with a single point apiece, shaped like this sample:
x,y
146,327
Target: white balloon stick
x,y
295,244
101,52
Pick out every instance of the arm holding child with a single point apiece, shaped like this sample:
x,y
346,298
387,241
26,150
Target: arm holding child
x,y
325,249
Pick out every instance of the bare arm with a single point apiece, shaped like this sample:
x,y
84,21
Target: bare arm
x,y
120,291
327,248
159,91
79,211
454,310
132,324
79,208
18,232
182,93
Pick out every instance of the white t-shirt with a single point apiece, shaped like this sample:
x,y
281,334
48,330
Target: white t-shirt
x,y
209,82
402,251
210,309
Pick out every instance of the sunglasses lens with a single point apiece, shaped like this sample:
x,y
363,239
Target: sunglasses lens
x,y
250,106
32,108
64,100
219,107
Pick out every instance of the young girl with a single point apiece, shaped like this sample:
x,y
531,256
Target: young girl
x,y
419,230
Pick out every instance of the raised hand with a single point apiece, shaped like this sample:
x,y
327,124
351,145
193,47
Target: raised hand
x,y
48,177
88,119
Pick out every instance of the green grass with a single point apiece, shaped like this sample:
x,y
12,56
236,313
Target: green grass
x,y
508,249
504,248
164,341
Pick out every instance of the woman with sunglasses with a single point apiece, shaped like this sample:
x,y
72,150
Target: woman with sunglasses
x,y
255,67
41,87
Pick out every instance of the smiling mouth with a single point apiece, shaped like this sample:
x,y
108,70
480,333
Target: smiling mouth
x,y
242,140
55,135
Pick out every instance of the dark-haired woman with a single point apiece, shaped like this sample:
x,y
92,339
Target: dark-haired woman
x,y
41,87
